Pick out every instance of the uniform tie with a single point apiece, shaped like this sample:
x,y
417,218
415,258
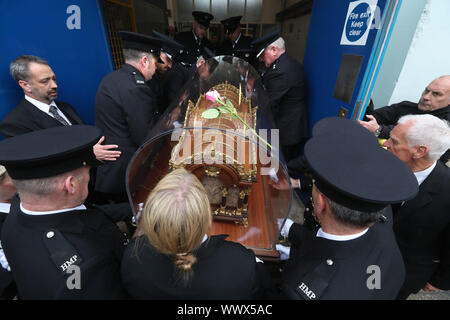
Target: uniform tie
x,y
54,111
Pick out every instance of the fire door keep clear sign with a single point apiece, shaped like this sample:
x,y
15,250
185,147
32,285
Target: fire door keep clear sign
x,y
358,23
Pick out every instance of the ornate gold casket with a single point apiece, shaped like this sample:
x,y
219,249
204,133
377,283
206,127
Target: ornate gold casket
x,y
219,153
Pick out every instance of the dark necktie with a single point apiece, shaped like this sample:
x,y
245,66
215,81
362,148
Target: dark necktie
x,y
54,111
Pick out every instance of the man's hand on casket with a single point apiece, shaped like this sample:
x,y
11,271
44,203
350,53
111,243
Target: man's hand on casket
x,y
282,184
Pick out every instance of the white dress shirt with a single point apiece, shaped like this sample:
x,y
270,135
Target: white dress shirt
x,y
4,207
46,107
422,175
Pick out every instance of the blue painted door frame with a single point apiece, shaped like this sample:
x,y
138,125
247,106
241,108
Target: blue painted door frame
x,y
336,36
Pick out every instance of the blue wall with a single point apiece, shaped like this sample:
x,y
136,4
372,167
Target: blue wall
x,y
73,41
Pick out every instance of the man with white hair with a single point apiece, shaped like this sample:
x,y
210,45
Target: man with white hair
x,y
285,83
422,224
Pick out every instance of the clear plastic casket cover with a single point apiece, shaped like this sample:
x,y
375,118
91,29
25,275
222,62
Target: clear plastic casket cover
x,y
220,129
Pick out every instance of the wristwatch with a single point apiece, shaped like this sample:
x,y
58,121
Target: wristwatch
x,y
378,131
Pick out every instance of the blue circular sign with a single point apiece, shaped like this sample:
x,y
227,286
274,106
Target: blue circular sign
x,y
358,22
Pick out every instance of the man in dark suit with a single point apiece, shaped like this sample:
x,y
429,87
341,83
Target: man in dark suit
x,y
422,224
39,108
235,44
354,254
285,83
56,247
435,100
195,40
126,110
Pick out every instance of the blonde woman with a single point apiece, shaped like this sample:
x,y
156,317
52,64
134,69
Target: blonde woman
x,y
175,259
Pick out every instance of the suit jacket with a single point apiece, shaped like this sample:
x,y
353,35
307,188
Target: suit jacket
x,y
285,83
8,288
369,267
26,118
195,50
125,111
38,258
422,229
224,270
389,115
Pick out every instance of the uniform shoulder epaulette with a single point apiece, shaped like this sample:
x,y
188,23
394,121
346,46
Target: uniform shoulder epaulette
x,y
313,285
138,78
62,253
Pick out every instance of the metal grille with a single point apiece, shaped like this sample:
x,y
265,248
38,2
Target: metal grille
x,y
118,16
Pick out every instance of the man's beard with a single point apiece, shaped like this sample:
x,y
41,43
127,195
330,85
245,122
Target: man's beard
x,y
48,97
51,97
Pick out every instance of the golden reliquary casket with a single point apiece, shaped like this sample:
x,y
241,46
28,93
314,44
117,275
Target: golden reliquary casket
x,y
218,153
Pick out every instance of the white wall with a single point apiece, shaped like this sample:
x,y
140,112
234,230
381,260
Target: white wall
x,y
429,54
295,33
397,50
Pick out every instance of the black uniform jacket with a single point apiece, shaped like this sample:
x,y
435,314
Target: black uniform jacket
x,y
285,83
125,111
368,267
241,48
159,96
175,80
39,250
195,49
8,288
224,270
422,228
26,118
389,115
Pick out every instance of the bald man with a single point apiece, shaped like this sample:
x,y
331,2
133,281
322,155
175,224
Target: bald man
x,y
435,100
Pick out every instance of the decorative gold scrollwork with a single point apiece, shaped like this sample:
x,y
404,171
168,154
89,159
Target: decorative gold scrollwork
x,y
212,171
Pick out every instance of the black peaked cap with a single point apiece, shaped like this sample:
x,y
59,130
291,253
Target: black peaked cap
x,y
261,43
352,169
231,24
339,126
49,152
204,18
141,42
170,46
